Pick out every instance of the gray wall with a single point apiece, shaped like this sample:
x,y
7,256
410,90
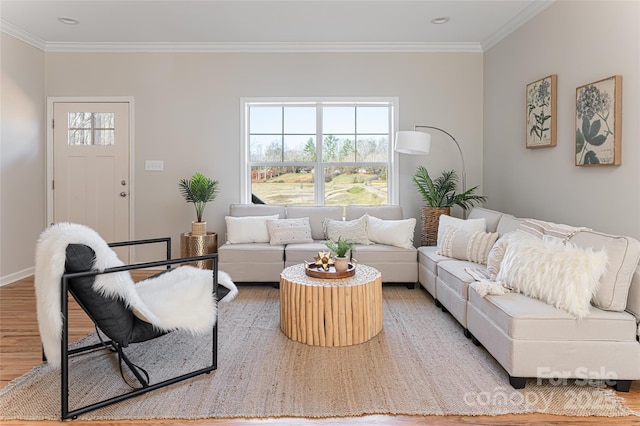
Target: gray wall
x,y
581,42
22,157
187,113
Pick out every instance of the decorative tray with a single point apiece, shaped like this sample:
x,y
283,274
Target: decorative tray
x,y
316,271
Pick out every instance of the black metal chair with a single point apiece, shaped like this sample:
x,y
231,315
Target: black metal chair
x,y
117,321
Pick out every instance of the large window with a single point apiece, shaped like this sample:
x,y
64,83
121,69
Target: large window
x,y
319,152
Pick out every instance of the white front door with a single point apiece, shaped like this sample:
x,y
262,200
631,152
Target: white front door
x,y
91,167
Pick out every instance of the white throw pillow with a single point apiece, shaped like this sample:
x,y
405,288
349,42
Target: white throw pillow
x,y
354,231
564,276
289,231
248,229
398,233
474,225
467,245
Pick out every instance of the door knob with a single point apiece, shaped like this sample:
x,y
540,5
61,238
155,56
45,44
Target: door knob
x,y
123,194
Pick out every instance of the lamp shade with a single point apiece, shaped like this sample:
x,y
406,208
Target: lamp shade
x,y
412,142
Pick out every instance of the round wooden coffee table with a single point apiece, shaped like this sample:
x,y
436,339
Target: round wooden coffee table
x,y
330,312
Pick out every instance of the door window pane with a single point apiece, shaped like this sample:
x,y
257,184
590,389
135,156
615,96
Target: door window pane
x,y
104,120
79,120
79,137
103,137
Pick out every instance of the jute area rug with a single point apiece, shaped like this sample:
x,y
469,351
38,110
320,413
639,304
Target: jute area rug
x,y
420,364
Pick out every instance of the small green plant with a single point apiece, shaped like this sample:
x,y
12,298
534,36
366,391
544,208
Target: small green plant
x,y
441,192
199,190
340,247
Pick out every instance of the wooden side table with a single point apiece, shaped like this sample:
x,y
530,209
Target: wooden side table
x,y
199,245
327,312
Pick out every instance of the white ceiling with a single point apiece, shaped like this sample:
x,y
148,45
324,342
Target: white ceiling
x,y
265,25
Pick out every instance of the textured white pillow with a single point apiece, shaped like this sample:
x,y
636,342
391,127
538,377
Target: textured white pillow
x,y
494,258
475,225
289,231
398,233
564,276
497,252
354,231
248,229
467,245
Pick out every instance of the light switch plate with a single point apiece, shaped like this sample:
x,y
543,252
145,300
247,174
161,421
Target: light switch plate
x,y
154,165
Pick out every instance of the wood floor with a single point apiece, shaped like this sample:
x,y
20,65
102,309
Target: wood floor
x,y
20,350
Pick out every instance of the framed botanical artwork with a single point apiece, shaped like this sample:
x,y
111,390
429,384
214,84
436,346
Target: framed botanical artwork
x,y
541,112
599,123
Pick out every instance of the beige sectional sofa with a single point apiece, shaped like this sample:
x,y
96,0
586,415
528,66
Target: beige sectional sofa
x,y
533,339
261,262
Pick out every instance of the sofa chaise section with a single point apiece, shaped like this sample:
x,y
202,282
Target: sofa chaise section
x,y
533,339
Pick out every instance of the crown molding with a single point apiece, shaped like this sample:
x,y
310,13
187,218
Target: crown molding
x,y
266,47
20,34
520,19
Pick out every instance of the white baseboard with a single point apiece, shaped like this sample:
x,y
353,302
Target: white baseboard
x,y
16,276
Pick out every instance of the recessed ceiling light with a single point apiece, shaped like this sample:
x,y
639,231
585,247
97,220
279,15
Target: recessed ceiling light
x,y
441,20
69,21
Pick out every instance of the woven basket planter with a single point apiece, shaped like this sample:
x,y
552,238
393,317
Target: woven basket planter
x,y
430,217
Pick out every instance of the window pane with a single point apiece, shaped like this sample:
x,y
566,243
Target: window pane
x,y
79,120
356,185
373,120
79,137
336,120
299,148
338,148
300,120
372,148
104,120
265,119
283,185
103,137
265,148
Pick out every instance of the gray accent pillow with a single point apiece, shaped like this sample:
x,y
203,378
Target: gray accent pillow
x,y
289,231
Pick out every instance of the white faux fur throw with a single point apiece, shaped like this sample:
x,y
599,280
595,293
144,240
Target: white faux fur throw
x,y
484,284
179,299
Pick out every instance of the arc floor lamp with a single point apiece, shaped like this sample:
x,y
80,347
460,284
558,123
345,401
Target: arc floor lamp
x,y
414,142
419,143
